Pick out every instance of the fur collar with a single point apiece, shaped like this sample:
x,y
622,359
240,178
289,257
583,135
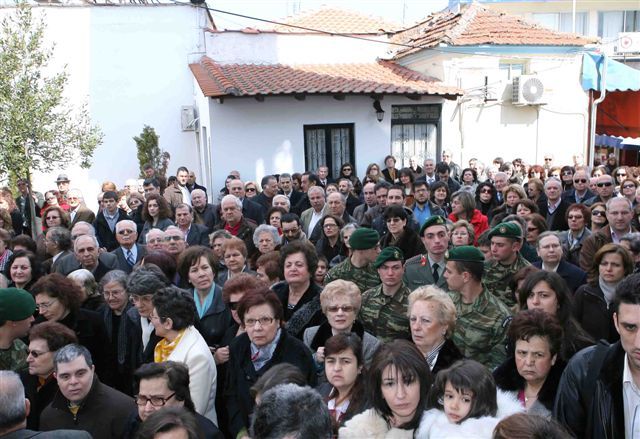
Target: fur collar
x,y
434,423
369,424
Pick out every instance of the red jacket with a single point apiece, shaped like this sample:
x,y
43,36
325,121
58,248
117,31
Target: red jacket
x,y
479,222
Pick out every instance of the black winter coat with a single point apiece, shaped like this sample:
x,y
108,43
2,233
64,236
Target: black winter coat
x,y
448,355
107,238
590,310
241,375
39,398
216,319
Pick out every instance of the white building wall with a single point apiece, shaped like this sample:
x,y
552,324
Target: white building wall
x,y
261,138
130,63
499,128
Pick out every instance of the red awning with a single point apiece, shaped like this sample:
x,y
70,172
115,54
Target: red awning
x,y
619,114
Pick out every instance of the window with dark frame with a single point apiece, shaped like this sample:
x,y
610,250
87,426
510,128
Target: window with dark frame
x,y
415,132
329,145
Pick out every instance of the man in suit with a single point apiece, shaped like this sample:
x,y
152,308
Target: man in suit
x,y
195,234
178,193
269,186
286,188
129,252
580,191
86,250
14,409
204,213
554,208
308,180
105,223
549,249
337,206
428,269
370,202
250,209
311,216
78,211
192,185
57,244
323,176
68,263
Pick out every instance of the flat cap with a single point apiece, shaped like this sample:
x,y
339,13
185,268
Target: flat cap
x,y
433,220
507,230
62,178
364,238
465,253
16,304
388,254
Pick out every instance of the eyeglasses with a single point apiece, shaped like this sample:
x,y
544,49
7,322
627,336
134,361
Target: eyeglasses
x,y
264,321
155,401
47,305
621,174
345,308
137,299
598,213
394,220
291,231
485,191
57,217
36,354
250,189
126,232
580,180
173,238
330,226
629,186
155,240
346,169
108,294
233,305
575,217
604,184
567,173
548,159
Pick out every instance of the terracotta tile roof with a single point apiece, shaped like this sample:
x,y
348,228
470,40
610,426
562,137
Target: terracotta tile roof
x,y
334,20
475,25
382,77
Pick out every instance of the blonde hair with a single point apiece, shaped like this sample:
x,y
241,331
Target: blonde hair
x,y
446,311
340,288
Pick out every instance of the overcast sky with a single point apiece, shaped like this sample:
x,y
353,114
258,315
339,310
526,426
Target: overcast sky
x,y
399,11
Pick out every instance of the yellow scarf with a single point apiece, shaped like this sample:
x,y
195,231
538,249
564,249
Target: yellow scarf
x,y
164,348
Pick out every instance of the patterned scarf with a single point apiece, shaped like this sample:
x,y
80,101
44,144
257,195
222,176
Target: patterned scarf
x,y
164,348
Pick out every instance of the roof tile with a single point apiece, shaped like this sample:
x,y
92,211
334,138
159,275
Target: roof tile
x,y
335,20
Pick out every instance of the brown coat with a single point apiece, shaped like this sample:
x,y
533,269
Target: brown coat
x,y
173,195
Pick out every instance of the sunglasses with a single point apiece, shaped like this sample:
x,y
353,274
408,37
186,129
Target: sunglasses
x,y
598,213
548,160
36,354
485,191
620,174
629,186
580,180
567,173
250,189
604,184
346,308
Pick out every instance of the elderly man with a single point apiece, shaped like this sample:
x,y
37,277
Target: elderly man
x,y
481,328
370,202
16,316
234,222
14,409
381,191
250,209
345,186
174,242
86,251
506,242
429,168
155,240
308,180
428,269
193,185
129,252
69,263
336,205
455,171
619,215
57,244
384,308
204,214
179,193
83,402
318,209
62,182
78,211
105,223
553,207
286,188
358,267
580,191
323,176
195,234
281,201
549,250
500,181
269,186
605,188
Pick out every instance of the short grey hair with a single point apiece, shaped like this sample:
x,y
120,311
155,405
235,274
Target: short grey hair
x,y
86,279
547,234
77,192
199,191
146,280
552,180
154,230
117,276
84,223
343,199
69,353
316,189
615,199
232,198
13,410
61,236
520,220
126,223
266,228
348,227
279,196
95,241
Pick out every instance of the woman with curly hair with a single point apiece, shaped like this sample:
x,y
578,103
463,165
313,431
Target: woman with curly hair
x,y
486,198
156,214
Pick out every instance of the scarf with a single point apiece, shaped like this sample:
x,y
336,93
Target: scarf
x,y
261,355
432,356
122,332
608,290
164,348
233,229
202,308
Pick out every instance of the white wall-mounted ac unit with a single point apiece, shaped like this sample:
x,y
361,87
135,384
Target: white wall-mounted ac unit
x,y
628,42
528,90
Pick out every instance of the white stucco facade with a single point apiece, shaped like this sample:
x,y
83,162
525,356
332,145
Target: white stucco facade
x,y
130,63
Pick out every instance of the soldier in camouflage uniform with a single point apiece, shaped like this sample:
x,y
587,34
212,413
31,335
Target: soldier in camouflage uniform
x,y
506,242
384,308
482,319
358,268
16,315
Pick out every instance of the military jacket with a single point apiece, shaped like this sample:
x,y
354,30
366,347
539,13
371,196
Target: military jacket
x,y
417,273
14,358
497,278
365,278
481,328
384,316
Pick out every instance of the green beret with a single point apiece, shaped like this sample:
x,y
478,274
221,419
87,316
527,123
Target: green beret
x,y
364,238
508,230
16,304
388,254
434,220
465,253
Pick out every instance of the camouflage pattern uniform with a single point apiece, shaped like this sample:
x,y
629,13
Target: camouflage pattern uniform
x,y
498,276
14,358
481,328
384,316
365,278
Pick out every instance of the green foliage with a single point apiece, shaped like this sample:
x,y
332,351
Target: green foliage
x,y
150,152
39,129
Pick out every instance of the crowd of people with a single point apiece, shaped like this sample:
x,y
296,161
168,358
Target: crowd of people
x,y
430,301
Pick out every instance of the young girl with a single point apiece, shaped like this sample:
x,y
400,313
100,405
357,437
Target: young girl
x,y
464,402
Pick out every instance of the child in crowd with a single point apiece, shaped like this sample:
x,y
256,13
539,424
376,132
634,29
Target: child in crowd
x,y
464,402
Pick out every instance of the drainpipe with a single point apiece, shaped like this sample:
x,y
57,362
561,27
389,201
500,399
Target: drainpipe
x,y
594,110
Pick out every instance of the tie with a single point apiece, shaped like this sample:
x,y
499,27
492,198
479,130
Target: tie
x,y
436,276
130,259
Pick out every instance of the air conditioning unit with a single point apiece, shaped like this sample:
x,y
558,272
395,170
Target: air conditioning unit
x,y
528,90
